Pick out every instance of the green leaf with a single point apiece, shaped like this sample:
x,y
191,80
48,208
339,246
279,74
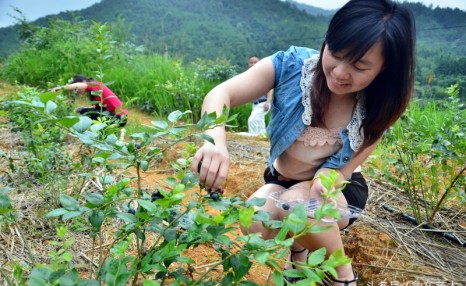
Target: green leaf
x,y
95,198
68,203
149,206
111,139
170,234
178,188
245,216
272,224
185,259
115,272
296,220
254,242
97,127
68,121
160,124
278,278
240,265
221,119
44,97
261,257
205,137
318,228
89,282
96,219
50,107
40,275
175,116
122,279
84,123
127,217
293,273
316,257
37,281
228,279
69,279
55,275
56,212
206,120
248,283
258,202
282,234
203,219
72,214
148,282
273,264
144,165
107,180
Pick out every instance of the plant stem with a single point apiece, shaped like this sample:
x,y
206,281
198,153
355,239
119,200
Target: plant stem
x,y
453,182
7,278
25,243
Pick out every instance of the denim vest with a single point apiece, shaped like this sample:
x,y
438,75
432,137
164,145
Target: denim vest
x,y
286,110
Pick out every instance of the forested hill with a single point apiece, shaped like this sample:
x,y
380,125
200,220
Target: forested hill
x,y
234,30
208,28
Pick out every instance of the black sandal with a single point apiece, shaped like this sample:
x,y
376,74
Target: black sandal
x,y
347,282
292,280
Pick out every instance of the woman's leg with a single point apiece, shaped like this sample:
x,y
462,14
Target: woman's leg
x,y
92,113
330,239
264,192
121,120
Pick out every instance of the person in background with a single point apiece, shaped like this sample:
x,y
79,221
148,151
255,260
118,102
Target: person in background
x,y
260,107
106,103
328,112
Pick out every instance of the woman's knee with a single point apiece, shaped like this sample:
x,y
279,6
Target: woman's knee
x,y
258,227
269,207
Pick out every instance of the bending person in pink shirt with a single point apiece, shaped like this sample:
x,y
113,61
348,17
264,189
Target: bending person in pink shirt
x,y
106,103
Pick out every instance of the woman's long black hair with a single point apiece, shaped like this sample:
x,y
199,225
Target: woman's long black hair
x,y
353,30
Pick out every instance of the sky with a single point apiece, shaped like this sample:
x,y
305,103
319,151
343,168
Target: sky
x,y
335,4
34,9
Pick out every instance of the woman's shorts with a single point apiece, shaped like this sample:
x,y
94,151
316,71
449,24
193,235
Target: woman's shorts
x,y
355,192
95,112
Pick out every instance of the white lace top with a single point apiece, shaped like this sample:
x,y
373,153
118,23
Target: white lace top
x,y
356,139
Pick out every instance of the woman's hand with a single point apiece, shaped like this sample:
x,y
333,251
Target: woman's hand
x,y
211,162
55,89
317,185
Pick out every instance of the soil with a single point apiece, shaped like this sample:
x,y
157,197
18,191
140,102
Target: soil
x,y
381,255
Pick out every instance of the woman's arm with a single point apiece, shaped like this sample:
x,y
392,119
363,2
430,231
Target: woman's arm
x,y
77,86
214,160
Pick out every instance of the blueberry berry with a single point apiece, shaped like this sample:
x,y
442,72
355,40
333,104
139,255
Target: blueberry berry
x,y
286,206
132,211
215,196
156,195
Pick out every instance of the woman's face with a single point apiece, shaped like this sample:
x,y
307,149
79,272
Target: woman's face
x,y
344,77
